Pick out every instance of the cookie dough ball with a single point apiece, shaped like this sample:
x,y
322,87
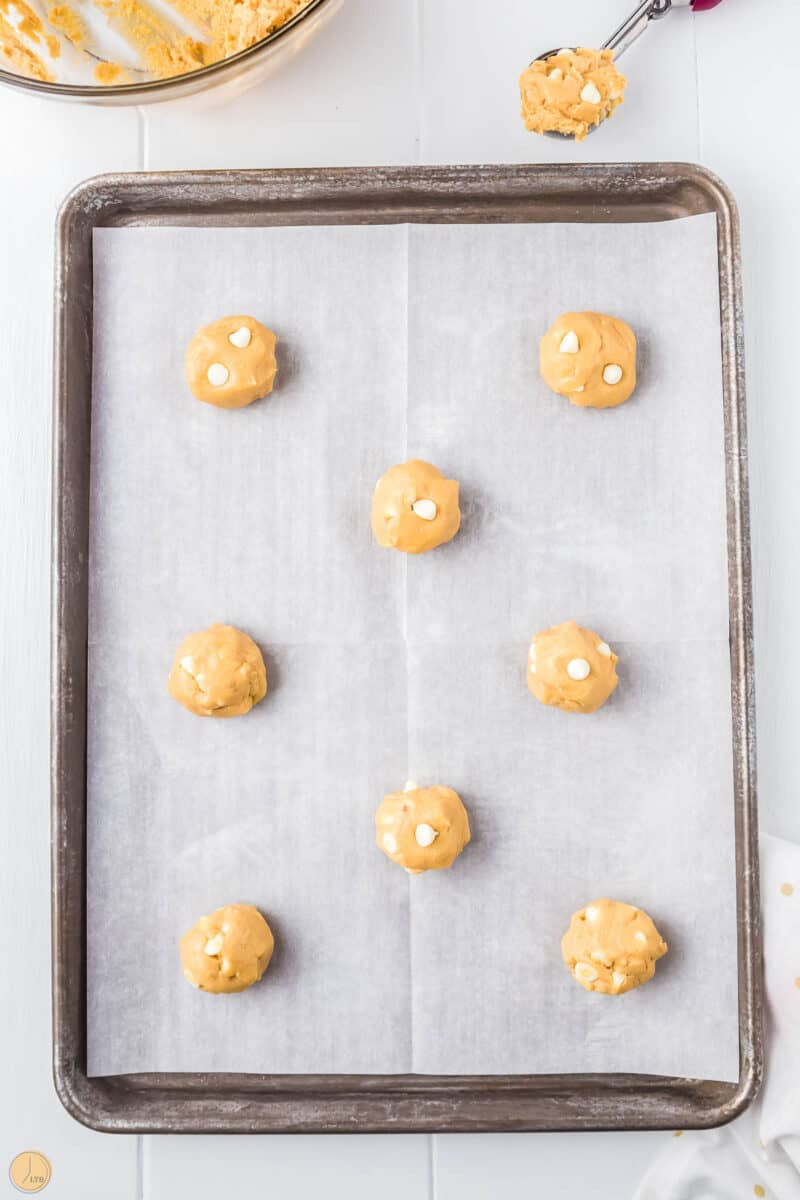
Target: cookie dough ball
x,y
572,668
227,951
218,672
414,508
611,947
422,829
570,92
231,362
589,358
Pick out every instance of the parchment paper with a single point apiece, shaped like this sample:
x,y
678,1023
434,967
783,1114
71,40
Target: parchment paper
x,y
399,341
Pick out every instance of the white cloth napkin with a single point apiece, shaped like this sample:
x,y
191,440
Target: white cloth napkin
x,y
758,1154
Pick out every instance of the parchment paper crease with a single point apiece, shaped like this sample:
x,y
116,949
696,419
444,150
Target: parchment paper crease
x,y
398,341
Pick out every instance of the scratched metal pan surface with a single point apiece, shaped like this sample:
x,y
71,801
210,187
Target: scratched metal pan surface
x,y
239,1103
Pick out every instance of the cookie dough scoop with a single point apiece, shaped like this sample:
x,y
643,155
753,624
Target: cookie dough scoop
x,y
218,672
231,362
414,508
422,829
571,668
569,92
611,947
228,950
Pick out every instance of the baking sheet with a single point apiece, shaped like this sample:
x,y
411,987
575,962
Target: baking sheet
x,y
396,341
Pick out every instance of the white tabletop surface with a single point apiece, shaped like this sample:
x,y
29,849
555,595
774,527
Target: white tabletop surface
x,y
389,81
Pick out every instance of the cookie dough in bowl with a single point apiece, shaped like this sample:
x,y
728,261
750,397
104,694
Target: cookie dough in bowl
x,y
227,951
414,508
571,668
590,358
611,947
570,92
422,829
218,672
231,362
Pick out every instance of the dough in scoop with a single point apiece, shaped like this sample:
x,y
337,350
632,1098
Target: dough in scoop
x,y
218,672
590,358
422,829
227,951
231,362
611,947
414,508
571,668
570,92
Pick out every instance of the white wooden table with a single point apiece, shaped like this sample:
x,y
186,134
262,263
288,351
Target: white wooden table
x,y
390,81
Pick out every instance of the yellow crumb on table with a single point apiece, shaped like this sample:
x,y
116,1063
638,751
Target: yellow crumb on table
x,y
758,1190
787,889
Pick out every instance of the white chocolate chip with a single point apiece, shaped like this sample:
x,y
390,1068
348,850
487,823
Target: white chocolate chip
x,y
213,945
556,74
579,389
411,786
226,967
240,338
218,374
599,956
585,972
425,509
604,649
640,936
619,978
590,94
578,669
591,913
613,94
612,373
389,843
425,835
570,343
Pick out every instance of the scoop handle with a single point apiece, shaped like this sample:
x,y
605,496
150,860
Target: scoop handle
x,y
704,5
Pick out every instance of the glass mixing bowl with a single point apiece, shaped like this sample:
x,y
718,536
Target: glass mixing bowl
x,y
246,67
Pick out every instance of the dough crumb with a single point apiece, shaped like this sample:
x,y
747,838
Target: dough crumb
x,y
20,31
65,18
108,73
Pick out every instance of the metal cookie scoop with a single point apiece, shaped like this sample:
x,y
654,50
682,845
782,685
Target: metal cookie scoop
x,y
632,28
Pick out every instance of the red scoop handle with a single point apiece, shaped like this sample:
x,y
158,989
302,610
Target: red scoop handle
x,y
702,5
